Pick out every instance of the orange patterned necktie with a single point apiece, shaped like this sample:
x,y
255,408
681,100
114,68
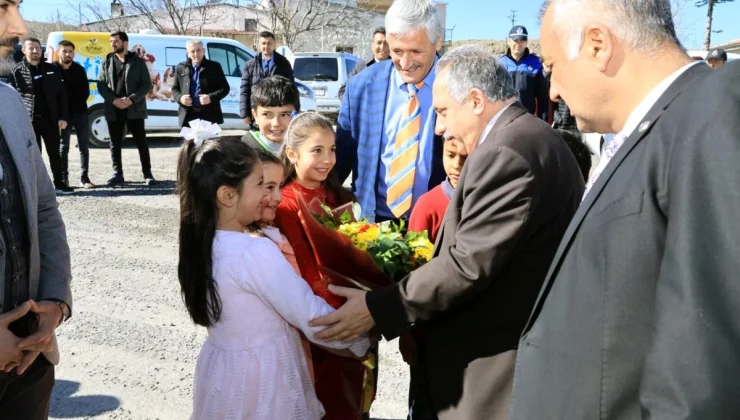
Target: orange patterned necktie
x,y
405,151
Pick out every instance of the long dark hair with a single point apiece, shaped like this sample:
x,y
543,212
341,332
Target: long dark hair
x,y
201,171
298,131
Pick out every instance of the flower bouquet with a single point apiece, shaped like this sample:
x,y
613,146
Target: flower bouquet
x,y
354,252
200,131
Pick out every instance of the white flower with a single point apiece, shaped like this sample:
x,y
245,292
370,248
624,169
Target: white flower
x,y
200,131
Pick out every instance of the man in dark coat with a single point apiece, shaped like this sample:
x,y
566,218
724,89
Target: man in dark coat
x,y
78,91
638,314
41,86
381,52
267,63
124,83
200,85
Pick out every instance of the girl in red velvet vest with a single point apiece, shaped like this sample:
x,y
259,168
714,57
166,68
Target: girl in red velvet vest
x,y
309,154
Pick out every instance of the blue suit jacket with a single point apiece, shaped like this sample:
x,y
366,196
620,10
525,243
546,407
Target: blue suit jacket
x,y
360,130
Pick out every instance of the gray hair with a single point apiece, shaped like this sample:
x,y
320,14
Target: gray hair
x,y
472,67
644,25
405,16
193,42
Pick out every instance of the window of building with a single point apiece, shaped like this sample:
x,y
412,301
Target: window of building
x,y
343,48
251,25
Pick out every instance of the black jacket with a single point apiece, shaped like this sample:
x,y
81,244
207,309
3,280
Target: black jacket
x,y
78,88
358,68
54,90
212,83
637,317
253,73
138,84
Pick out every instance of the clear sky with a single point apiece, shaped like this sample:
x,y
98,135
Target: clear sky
x,y
488,19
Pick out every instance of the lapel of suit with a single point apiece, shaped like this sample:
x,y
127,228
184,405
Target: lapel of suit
x,y
19,140
369,148
643,129
512,113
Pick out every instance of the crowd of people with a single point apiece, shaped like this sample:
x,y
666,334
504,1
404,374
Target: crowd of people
x,y
555,290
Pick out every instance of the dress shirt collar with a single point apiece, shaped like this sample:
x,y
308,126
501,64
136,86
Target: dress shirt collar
x,y
489,126
650,100
428,80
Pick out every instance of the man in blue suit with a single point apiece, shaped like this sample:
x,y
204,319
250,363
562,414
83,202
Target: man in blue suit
x,y
385,131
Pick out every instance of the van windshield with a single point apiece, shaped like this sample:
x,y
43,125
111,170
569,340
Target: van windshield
x,y
318,69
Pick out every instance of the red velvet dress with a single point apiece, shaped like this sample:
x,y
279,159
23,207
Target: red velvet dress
x,y
339,380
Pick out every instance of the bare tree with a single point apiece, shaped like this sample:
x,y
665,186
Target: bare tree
x,y
98,12
710,11
289,19
684,29
166,16
53,23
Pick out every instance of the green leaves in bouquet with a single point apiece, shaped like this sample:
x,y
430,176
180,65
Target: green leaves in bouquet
x,y
391,251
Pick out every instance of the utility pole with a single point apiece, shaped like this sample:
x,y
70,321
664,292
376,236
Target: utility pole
x,y
512,16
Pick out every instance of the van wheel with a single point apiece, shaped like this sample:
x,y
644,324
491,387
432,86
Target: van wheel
x,y
99,136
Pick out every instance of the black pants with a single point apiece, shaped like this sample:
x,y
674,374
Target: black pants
x,y
49,131
117,134
81,123
420,398
191,115
27,397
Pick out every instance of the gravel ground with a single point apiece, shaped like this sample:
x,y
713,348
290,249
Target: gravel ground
x,y
129,350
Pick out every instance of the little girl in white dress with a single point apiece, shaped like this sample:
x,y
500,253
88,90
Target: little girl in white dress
x,y
242,288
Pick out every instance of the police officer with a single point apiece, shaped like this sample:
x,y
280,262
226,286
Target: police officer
x,y
527,72
716,58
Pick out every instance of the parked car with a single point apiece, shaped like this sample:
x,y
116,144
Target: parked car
x,y
325,73
161,54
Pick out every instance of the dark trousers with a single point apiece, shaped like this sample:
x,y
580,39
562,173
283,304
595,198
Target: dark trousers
x,y
27,397
49,131
81,123
191,114
420,399
117,134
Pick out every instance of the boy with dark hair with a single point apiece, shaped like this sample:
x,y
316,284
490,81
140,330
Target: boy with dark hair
x,y
275,101
580,151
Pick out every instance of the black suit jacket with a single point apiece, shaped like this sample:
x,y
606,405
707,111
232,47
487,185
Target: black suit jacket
x,y
212,83
639,317
253,73
516,195
55,92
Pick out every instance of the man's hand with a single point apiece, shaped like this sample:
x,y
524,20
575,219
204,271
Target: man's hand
x,y
204,99
119,103
10,355
186,100
62,124
350,321
127,102
247,121
50,314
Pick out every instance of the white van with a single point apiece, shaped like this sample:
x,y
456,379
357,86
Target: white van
x,y
161,54
325,73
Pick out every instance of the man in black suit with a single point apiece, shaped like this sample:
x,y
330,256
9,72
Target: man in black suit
x,y
381,52
638,317
200,85
267,63
516,194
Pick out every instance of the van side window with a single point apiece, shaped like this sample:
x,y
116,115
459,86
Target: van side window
x,y
230,58
175,56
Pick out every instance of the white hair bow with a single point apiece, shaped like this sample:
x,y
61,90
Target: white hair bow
x,y
200,131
